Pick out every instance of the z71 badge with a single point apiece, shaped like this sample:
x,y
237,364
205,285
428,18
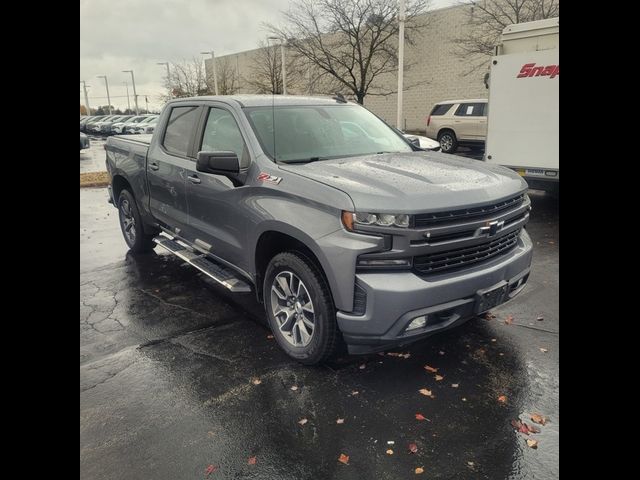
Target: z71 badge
x,y
265,177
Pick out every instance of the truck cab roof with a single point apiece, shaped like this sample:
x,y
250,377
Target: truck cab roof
x,y
262,100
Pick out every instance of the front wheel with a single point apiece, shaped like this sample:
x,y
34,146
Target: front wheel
x,y
300,308
131,224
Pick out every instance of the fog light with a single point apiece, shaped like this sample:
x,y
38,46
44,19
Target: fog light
x,y
418,322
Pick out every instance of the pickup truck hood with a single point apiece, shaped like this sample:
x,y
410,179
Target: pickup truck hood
x,y
413,182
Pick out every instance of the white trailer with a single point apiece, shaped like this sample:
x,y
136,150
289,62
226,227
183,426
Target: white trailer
x,y
523,113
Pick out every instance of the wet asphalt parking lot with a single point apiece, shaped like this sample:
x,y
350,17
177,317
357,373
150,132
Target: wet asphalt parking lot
x,y
180,380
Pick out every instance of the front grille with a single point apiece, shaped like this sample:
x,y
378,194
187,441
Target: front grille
x,y
440,218
463,257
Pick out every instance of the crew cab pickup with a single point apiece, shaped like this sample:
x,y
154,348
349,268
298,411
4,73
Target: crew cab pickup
x,y
345,230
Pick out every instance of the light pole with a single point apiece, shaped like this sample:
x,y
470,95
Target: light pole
x,y
106,84
128,102
215,76
284,66
401,20
86,97
168,77
135,95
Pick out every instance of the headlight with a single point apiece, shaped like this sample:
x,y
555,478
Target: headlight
x,y
375,219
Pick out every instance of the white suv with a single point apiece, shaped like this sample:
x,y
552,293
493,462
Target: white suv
x,y
458,122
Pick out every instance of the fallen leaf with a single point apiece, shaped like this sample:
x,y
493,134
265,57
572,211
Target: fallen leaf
x,y
509,319
441,352
540,318
256,381
489,316
355,392
413,448
269,337
363,366
439,377
429,368
294,387
389,452
419,470
211,434
455,385
210,469
536,417
302,421
340,421
471,464
533,429
420,417
425,392
502,399
524,428
516,424
251,461
343,458
532,443
543,350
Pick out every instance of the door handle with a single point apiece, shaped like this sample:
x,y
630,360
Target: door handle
x,y
154,166
194,179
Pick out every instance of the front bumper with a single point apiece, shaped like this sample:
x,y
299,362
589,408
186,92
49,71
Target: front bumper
x,y
394,299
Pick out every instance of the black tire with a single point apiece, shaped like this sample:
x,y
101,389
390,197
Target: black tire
x,y
324,338
132,231
448,141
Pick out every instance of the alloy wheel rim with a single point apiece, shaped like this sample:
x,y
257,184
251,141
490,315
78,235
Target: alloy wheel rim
x,y
292,308
128,221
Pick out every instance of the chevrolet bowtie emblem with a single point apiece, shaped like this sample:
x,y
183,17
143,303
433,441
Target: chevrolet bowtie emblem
x,y
491,228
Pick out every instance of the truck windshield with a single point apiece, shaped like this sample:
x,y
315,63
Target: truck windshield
x,y
319,132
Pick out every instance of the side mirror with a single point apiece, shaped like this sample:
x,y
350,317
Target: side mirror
x,y
220,163
415,141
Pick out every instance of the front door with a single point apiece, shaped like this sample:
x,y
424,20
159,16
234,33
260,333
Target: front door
x,y
167,165
214,201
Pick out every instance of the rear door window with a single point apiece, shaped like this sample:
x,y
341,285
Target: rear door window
x,y
470,110
180,127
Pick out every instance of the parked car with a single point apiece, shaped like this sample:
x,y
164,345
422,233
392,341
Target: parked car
x,y
84,141
105,127
126,126
422,142
458,122
343,236
141,127
94,127
84,127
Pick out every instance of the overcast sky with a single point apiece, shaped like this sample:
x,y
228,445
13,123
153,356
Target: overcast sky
x,y
118,35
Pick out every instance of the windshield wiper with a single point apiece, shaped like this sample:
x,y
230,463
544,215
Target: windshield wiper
x,y
307,160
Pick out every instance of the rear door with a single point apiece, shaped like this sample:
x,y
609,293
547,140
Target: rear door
x,y
168,162
214,200
467,121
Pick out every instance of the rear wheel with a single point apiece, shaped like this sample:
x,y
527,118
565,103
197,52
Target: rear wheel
x,y
448,141
131,224
300,308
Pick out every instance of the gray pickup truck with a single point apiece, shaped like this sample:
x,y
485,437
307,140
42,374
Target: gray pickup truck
x,y
346,231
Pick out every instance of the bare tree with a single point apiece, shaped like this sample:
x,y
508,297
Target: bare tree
x,y
228,83
486,19
187,80
266,70
351,41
